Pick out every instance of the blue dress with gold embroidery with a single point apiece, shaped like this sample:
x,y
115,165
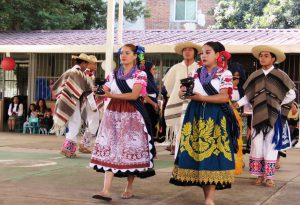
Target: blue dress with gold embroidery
x,y
205,155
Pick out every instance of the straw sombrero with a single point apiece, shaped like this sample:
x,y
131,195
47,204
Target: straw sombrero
x,y
280,56
83,57
94,59
180,46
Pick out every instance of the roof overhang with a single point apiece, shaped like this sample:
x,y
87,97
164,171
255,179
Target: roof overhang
x,y
237,49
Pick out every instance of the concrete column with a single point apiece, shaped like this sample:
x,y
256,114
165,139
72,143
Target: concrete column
x,y
120,22
110,36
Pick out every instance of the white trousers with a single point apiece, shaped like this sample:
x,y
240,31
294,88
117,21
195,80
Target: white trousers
x,y
92,122
263,156
74,124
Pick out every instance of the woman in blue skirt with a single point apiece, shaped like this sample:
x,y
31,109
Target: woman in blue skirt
x,y
209,132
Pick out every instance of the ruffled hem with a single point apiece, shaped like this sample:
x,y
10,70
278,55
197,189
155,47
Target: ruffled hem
x,y
219,186
141,173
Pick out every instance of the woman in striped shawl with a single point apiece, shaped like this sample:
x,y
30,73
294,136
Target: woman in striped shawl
x,y
270,91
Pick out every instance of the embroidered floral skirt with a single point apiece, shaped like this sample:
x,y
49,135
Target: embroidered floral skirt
x,y
123,143
205,155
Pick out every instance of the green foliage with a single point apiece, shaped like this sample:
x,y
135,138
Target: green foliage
x,y
246,14
61,14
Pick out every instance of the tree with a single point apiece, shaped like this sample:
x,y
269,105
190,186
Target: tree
x,y
19,15
245,14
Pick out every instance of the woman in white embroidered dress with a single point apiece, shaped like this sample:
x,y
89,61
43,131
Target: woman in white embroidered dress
x,y
123,147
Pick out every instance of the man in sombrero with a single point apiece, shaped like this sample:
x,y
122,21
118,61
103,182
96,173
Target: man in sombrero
x,y
91,109
270,91
68,90
176,106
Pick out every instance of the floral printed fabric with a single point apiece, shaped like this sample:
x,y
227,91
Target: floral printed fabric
x,y
138,77
122,144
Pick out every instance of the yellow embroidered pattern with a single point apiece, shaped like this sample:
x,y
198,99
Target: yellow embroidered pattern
x,y
205,138
195,176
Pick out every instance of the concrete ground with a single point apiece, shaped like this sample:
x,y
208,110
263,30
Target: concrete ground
x,y
33,172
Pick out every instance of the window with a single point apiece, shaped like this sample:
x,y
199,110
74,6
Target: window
x,y
185,10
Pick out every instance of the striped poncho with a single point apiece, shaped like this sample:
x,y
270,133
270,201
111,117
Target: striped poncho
x,y
68,90
266,93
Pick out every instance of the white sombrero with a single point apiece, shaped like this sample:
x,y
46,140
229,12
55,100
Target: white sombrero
x,y
94,59
180,46
83,57
280,56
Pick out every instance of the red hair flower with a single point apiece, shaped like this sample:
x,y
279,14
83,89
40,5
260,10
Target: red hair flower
x,y
223,58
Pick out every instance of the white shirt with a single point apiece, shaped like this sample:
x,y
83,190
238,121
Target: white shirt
x,y
20,110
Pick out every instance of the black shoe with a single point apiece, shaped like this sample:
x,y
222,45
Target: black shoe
x,y
105,198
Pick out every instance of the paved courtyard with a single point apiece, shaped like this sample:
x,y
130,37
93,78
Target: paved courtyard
x,y
33,172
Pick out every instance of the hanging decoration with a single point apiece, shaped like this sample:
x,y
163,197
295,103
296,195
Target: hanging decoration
x,y
8,64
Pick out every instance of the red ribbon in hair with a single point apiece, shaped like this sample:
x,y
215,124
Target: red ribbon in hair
x,y
223,58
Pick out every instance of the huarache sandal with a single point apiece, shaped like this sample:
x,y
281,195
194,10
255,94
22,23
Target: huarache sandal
x,y
270,183
104,198
259,180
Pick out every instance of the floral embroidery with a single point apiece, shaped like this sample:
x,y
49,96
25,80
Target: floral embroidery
x,y
198,176
140,77
205,138
261,167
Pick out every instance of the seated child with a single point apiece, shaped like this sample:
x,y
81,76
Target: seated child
x,y
47,122
31,114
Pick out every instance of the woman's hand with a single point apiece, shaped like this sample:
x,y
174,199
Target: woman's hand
x,y
182,92
106,95
196,97
294,109
155,106
234,105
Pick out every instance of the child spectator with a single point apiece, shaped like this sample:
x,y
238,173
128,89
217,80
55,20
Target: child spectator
x,y
47,122
41,109
32,113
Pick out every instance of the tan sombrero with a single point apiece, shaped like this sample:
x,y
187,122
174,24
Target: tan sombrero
x,y
180,46
280,56
84,57
94,59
